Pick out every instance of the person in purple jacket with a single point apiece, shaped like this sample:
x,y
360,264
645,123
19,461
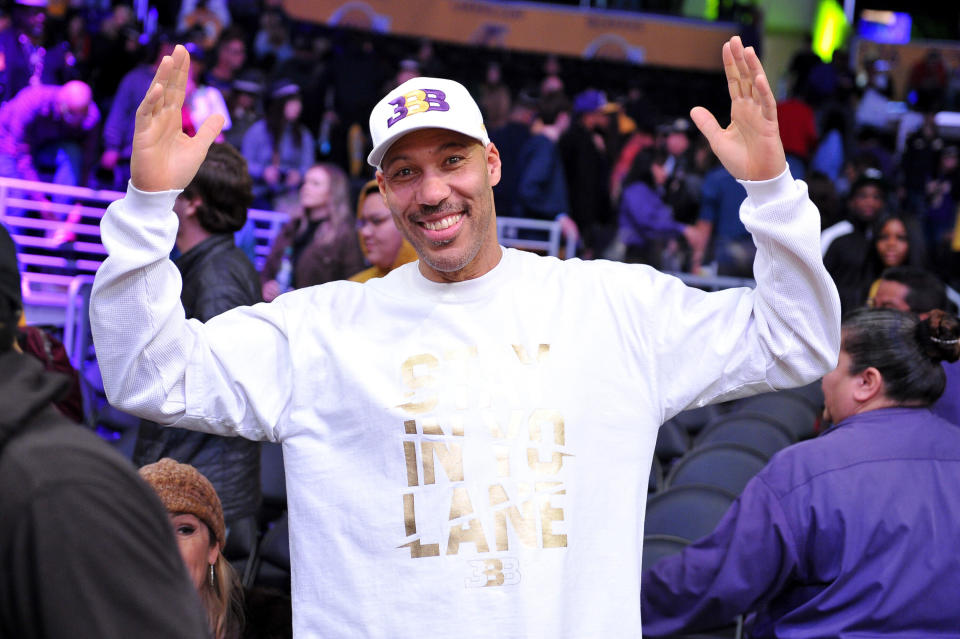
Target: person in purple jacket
x,y
852,534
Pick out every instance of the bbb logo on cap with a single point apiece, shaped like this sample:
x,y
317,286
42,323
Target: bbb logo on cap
x,y
419,101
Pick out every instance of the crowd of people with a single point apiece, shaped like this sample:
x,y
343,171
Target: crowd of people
x,y
275,118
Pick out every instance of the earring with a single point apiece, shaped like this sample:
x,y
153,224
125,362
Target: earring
x,y
212,584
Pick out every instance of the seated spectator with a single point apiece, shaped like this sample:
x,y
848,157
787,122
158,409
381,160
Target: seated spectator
x,y
279,148
197,520
647,230
726,242
245,104
209,17
382,244
852,534
848,244
49,133
542,187
914,290
30,55
35,341
87,551
231,53
319,243
892,247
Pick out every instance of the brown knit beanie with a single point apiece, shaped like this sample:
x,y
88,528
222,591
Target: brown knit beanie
x,y
183,489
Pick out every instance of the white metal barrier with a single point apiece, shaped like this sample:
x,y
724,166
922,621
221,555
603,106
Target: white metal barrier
x,y
57,232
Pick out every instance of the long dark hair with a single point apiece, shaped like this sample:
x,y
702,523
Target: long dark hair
x,y
906,350
277,124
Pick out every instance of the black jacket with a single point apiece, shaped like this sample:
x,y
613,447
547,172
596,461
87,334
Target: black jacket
x,y
86,548
217,276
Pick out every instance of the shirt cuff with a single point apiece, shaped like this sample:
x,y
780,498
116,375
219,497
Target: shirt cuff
x,y
147,202
762,192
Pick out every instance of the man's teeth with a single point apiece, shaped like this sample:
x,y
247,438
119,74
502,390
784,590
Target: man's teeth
x,y
445,223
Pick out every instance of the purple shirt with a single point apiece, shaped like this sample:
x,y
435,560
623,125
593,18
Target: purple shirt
x,y
948,406
853,534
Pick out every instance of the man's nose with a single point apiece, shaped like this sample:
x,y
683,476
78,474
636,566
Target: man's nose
x,y
433,189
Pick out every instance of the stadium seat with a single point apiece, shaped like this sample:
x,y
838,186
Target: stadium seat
x,y
725,465
789,408
690,512
756,430
656,547
672,441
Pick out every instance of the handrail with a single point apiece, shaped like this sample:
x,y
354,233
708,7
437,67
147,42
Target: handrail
x,y
58,237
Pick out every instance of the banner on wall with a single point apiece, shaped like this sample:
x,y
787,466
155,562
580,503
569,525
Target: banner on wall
x,y
641,39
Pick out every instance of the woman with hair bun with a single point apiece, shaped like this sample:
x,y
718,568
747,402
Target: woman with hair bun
x,y
197,519
852,534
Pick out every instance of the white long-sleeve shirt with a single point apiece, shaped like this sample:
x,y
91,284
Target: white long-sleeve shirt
x,y
465,459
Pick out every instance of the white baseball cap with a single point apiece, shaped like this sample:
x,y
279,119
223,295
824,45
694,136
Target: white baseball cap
x,y
423,103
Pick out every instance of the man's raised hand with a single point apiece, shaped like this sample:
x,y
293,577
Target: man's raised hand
x,y
163,156
750,146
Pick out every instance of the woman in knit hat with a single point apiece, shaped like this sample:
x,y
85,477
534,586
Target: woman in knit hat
x,y
197,518
382,244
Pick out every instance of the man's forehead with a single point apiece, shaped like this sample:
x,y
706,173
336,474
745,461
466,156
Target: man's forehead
x,y
427,140
889,291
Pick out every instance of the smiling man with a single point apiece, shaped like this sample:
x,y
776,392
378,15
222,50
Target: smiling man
x,y
467,440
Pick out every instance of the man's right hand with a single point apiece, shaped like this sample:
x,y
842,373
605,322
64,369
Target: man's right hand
x,y
164,157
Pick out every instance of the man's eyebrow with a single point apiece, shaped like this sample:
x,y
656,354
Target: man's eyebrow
x,y
446,146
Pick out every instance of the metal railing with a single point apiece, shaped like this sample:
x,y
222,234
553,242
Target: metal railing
x,y
57,232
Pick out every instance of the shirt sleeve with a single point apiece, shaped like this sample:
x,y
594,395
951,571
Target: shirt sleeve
x,y
698,347
746,560
146,348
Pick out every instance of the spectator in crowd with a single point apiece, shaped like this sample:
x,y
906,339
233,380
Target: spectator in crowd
x,y
893,244
823,193
674,139
245,105
279,148
584,152
319,241
50,133
206,17
271,44
542,187
726,241
847,246
510,138
202,101
943,198
798,128
684,178
217,276
830,153
231,53
197,520
827,540
920,161
380,239
29,58
87,550
114,51
914,290
928,78
647,229
494,97
445,360
118,127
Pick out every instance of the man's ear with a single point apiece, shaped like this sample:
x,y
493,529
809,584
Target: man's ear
x,y
869,385
193,203
493,163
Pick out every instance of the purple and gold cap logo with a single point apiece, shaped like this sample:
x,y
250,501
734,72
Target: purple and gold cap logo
x,y
418,101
